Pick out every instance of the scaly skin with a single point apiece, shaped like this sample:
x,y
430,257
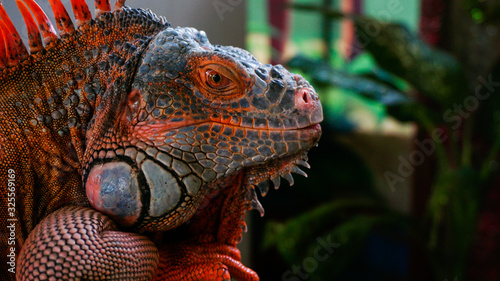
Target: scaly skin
x,y
128,126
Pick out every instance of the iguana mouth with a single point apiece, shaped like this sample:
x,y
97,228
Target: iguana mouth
x,y
261,176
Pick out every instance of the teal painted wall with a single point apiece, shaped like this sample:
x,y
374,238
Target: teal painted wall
x,y
406,12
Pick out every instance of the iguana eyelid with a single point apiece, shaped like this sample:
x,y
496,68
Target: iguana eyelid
x,y
224,82
234,79
226,71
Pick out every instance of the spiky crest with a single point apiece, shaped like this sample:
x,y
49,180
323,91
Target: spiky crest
x,y
35,39
12,49
15,50
63,21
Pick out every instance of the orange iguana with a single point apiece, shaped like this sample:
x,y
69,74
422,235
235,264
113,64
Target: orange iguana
x,y
131,150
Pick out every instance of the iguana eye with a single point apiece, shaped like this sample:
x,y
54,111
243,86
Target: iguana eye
x,y
216,80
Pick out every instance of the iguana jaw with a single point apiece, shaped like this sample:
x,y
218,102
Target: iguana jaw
x,y
261,176
238,189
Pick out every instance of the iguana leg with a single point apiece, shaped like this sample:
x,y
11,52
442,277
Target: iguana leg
x,y
204,262
81,243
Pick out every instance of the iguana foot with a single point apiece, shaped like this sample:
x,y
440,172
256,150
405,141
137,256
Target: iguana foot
x,y
204,262
81,243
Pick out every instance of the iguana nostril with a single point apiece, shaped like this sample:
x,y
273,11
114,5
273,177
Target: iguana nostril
x,y
304,97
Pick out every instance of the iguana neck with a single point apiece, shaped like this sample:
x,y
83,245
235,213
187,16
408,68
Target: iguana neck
x,y
59,92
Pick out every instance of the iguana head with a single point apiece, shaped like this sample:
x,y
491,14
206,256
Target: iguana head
x,y
156,116
197,113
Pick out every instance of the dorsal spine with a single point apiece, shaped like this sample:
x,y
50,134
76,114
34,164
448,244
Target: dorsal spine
x,y
12,49
59,88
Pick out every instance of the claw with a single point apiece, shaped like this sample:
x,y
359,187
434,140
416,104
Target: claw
x,y
255,202
289,178
263,187
276,181
297,170
303,164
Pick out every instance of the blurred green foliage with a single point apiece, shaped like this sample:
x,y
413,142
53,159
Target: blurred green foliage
x,y
436,84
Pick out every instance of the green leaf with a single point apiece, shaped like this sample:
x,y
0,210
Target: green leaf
x,y
322,73
453,211
292,238
434,73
